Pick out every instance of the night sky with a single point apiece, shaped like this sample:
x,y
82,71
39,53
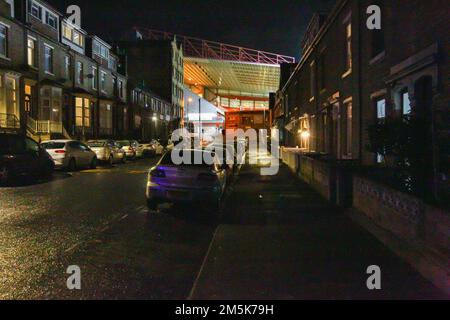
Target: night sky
x,y
270,25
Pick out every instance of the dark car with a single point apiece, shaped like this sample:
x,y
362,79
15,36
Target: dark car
x,y
22,156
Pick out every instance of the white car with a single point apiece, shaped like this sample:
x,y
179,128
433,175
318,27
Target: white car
x,y
107,151
70,154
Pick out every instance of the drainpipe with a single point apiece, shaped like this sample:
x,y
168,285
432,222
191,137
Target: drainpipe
x,y
361,126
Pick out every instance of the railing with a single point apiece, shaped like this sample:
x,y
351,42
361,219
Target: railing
x,y
9,121
45,126
198,48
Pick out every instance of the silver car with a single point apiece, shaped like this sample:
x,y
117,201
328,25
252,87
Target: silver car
x,y
202,183
70,154
107,151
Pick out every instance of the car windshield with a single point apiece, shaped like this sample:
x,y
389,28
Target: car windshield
x,y
96,144
191,158
124,143
53,145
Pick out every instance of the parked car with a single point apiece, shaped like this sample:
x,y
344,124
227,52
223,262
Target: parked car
x,y
171,183
22,156
129,149
70,154
226,156
148,149
107,151
139,148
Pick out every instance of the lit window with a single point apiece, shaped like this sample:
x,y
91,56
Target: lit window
x,y
48,59
31,52
406,103
67,32
381,109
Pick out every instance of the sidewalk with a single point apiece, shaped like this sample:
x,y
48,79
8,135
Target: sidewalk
x,y
281,240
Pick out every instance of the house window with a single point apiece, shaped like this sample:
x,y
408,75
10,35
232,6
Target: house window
x,y
67,67
103,81
36,11
78,39
348,129
31,52
82,112
312,73
120,88
94,78
28,98
381,116
3,40
80,73
51,20
48,59
381,109
67,32
348,47
406,102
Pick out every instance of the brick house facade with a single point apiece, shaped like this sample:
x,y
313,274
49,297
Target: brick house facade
x,y
350,77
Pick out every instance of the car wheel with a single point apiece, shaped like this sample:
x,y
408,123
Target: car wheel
x,y
93,163
111,161
152,205
4,176
72,165
123,160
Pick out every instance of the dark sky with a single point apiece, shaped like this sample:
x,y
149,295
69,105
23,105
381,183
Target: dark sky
x,y
270,25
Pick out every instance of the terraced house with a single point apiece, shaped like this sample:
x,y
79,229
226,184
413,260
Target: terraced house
x,y
366,113
56,79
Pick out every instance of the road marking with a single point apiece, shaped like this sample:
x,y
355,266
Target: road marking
x,y
194,287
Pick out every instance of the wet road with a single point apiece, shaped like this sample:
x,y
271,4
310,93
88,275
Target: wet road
x,y
97,219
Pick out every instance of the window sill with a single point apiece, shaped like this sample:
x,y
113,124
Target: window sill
x,y
49,73
33,68
5,57
312,99
346,74
377,58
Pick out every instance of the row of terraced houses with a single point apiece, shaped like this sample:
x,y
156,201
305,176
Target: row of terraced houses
x,y
57,80
364,117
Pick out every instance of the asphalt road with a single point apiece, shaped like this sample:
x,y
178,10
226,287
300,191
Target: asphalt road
x,y
97,220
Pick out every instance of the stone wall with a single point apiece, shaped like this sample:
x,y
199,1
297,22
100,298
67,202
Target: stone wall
x,y
405,216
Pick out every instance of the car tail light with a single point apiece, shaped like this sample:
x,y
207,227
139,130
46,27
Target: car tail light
x,y
60,151
207,177
157,173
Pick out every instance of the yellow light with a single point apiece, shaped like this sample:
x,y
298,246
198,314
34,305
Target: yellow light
x,y
305,134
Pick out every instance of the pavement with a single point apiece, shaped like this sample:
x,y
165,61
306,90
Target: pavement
x,y
281,240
